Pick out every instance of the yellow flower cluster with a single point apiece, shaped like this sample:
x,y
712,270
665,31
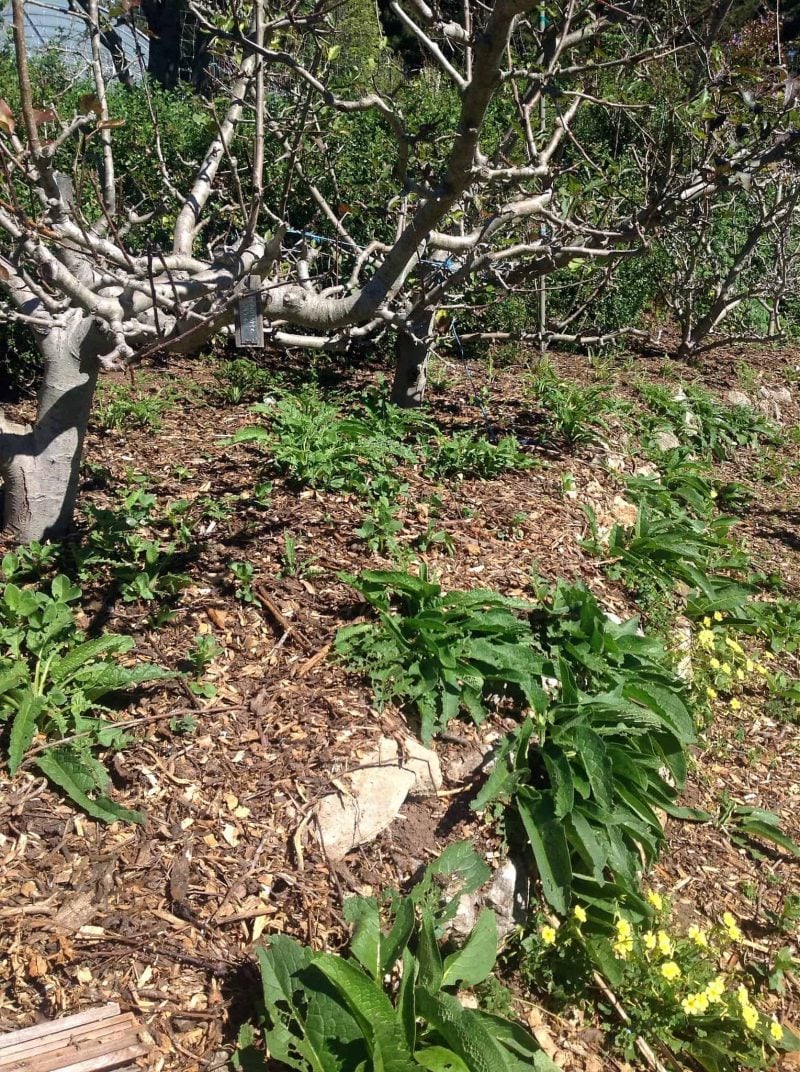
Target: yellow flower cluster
x,y
624,943
732,667
731,927
749,1013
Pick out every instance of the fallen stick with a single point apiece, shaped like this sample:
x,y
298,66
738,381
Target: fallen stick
x,y
277,615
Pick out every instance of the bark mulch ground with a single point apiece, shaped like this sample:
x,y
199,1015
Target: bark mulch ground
x,y
161,918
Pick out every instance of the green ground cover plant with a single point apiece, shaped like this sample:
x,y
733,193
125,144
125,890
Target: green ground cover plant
x,y
669,982
52,682
241,380
122,407
605,744
125,541
312,444
391,1002
700,421
679,539
575,415
439,653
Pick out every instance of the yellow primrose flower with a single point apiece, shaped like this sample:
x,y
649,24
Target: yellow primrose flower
x,y
776,1031
734,645
624,929
740,674
711,693
715,989
664,943
670,970
735,704
761,669
750,1017
717,616
695,1004
712,494
714,663
743,996
656,900
649,941
726,668
579,913
707,622
749,666
769,656
729,921
623,947
548,935
698,936
705,638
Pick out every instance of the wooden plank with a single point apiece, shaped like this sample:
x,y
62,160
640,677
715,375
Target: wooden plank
x,y
119,1060
55,1061
48,1027
53,1041
97,1040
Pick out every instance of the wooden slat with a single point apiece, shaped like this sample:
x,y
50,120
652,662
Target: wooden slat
x,y
98,1040
71,1035
100,1064
49,1027
73,1054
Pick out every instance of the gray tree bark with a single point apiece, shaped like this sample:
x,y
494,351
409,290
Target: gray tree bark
x,y
40,464
412,351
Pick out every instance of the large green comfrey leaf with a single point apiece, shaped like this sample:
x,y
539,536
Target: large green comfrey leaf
x,y
51,678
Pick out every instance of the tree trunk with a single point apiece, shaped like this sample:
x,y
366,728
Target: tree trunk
x,y
165,20
40,465
412,351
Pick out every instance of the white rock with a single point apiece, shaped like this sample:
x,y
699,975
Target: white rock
x,y
508,896
377,792
412,756
376,796
778,394
665,440
623,512
738,398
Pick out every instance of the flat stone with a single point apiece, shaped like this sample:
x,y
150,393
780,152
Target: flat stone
x,y
376,795
665,441
623,512
738,398
411,756
777,394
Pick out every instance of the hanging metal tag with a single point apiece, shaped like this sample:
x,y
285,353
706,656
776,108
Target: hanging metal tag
x,y
250,315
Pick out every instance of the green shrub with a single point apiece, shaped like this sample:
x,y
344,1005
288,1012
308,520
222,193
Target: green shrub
x,y
587,774
338,1013
602,751
52,680
439,653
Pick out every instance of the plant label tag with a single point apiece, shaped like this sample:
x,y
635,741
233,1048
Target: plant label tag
x,y
249,315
